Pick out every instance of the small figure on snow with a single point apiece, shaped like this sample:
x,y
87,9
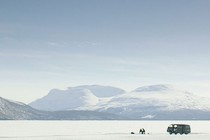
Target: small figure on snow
x,y
142,131
132,133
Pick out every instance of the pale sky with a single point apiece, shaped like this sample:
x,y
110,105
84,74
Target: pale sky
x,y
46,44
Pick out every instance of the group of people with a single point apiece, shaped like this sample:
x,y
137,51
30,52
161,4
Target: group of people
x,y
142,131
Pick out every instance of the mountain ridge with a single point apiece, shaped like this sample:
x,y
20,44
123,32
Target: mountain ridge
x,y
12,110
149,102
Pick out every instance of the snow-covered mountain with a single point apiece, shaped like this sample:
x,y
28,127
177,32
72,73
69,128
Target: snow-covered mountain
x,y
158,102
148,102
103,91
65,99
166,98
75,97
12,110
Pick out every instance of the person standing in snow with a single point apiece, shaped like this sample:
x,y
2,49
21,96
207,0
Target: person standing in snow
x,y
143,131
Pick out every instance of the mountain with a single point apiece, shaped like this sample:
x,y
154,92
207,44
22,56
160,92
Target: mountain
x,y
75,97
158,102
11,110
103,91
65,99
148,102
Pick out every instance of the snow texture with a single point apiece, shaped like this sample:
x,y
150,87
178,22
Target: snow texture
x,y
99,130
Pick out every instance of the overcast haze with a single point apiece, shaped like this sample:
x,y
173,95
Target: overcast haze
x,y
47,44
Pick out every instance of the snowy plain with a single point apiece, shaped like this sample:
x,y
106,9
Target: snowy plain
x,y
99,130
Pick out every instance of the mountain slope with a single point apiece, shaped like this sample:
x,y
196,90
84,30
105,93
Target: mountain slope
x,y
75,97
10,110
103,91
158,102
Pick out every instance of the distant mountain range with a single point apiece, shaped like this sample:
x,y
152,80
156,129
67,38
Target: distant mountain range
x,y
11,110
149,102
95,102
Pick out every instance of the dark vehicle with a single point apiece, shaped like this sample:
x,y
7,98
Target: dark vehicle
x,y
179,128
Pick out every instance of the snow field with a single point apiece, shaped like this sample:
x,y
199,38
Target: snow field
x,y
99,130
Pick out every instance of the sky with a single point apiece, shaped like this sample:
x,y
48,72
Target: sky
x,y
47,44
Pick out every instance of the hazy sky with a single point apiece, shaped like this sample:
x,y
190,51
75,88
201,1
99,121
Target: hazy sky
x,y
46,44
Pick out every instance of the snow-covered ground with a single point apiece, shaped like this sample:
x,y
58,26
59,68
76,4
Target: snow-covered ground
x,y
98,130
